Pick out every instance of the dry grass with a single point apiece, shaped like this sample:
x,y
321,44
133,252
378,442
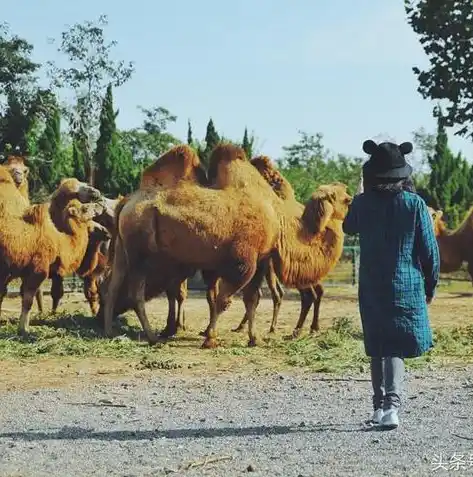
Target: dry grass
x,y
69,348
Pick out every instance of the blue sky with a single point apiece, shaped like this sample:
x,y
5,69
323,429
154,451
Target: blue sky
x,y
342,68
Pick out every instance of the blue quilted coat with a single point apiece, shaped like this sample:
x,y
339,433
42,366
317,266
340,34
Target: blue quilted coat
x,y
399,267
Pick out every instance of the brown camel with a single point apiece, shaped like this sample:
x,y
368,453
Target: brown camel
x,y
308,296
178,165
48,239
227,232
19,171
454,245
310,245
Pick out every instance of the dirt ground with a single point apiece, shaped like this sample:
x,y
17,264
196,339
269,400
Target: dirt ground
x,y
452,306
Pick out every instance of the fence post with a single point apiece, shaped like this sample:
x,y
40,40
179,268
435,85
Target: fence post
x,y
354,266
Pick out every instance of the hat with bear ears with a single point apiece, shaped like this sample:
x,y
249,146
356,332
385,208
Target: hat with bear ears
x,y
387,160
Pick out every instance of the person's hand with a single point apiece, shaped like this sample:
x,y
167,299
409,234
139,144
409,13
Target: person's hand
x,y
429,300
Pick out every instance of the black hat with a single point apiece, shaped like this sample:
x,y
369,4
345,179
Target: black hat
x,y
387,160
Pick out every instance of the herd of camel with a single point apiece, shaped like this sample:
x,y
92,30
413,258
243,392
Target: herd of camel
x,y
238,223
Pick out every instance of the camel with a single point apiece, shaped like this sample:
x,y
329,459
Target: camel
x,y
93,265
14,205
178,165
227,231
454,245
305,253
47,239
308,296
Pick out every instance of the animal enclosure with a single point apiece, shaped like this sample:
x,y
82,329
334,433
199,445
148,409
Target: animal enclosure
x,y
345,274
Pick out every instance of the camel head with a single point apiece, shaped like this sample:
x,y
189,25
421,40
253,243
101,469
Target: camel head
x,y
74,189
180,163
18,169
437,221
328,202
82,213
222,155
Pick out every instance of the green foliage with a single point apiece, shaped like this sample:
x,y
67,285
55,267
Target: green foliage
x,y
247,144
189,133
448,186
91,69
446,36
211,140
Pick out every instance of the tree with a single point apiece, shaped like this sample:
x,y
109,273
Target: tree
x,y
247,144
56,163
211,140
448,186
189,133
16,67
446,34
114,166
152,139
91,70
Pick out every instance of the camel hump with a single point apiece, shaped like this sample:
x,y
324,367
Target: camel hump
x,y
273,177
223,153
179,163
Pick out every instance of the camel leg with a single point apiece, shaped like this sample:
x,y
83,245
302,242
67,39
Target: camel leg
x,y
171,328
318,293
137,293
4,280
251,296
277,294
39,300
307,299
237,276
30,286
181,297
470,270
91,293
117,275
57,290
211,281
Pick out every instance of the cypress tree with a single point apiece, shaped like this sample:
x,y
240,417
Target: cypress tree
x,y
78,161
103,153
189,133
247,145
211,140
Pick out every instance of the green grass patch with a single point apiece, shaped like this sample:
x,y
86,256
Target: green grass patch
x,y
338,349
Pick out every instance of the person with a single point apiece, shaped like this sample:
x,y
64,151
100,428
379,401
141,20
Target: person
x,y
398,272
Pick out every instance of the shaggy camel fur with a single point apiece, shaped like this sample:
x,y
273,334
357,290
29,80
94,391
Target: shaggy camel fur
x,y
454,245
19,172
309,247
177,166
308,296
94,264
48,239
224,232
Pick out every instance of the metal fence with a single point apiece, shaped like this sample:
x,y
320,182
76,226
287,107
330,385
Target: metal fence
x,y
344,274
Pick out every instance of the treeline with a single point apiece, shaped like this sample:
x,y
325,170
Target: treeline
x,y
69,126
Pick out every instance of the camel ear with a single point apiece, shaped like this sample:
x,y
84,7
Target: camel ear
x,y
369,146
439,214
317,213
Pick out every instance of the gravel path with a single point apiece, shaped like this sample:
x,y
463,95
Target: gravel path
x,y
291,425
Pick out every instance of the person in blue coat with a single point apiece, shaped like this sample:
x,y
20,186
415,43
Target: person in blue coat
x,y
398,272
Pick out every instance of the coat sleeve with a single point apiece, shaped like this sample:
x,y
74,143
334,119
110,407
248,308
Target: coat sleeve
x,y
351,224
428,249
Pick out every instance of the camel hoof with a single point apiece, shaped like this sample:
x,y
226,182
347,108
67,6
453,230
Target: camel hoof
x,y
296,333
238,329
314,330
209,343
272,330
167,333
253,342
153,340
